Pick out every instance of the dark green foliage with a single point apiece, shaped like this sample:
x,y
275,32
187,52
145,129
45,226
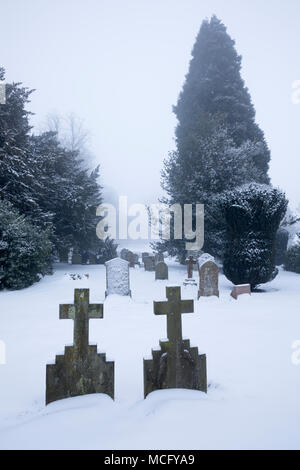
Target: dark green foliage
x,y
253,214
107,250
25,250
44,181
219,144
281,244
292,259
214,87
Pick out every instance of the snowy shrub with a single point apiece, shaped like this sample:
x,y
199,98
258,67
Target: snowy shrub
x,y
253,214
292,259
25,250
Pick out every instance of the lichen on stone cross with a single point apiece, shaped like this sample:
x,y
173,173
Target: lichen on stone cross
x,y
81,312
176,364
173,308
190,261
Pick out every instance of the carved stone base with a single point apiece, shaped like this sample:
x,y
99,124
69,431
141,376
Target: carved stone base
x,y
71,376
184,368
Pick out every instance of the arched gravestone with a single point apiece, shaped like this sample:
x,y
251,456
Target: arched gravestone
x,y
175,364
81,370
117,277
208,276
161,271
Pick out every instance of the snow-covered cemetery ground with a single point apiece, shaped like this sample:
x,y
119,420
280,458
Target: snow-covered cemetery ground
x,y
253,398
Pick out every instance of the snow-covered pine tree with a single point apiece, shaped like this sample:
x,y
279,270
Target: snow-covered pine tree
x,y
219,145
214,87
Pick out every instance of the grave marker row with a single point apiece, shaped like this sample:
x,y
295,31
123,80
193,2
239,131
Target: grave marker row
x,y
81,370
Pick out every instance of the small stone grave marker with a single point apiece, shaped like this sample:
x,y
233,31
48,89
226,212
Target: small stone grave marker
x,y
240,289
161,271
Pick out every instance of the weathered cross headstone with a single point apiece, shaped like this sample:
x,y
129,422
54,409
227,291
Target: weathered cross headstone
x,y
176,364
76,258
190,261
161,271
159,257
208,276
149,263
117,277
240,289
81,370
190,281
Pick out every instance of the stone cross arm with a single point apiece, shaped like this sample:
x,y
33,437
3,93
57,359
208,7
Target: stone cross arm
x,y
173,308
81,312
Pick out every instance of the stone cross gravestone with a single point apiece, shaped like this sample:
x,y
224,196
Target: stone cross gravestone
x,y
117,277
208,276
149,263
190,281
161,271
81,370
176,364
190,261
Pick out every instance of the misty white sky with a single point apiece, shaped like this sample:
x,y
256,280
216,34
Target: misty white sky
x,y
120,65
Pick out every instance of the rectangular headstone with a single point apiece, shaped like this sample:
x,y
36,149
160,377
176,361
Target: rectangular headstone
x,y
117,277
161,271
240,289
208,276
149,263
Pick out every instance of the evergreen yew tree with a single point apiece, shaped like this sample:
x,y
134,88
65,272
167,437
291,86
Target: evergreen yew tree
x,y
48,185
214,87
219,145
253,214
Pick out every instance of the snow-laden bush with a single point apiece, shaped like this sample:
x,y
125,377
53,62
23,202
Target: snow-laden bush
x,y
292,259
25,250
253,214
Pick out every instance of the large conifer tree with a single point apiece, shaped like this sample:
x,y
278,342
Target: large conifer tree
x,y
219,144
214,88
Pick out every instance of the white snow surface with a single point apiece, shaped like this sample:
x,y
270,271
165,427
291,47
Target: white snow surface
x,y
253,401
